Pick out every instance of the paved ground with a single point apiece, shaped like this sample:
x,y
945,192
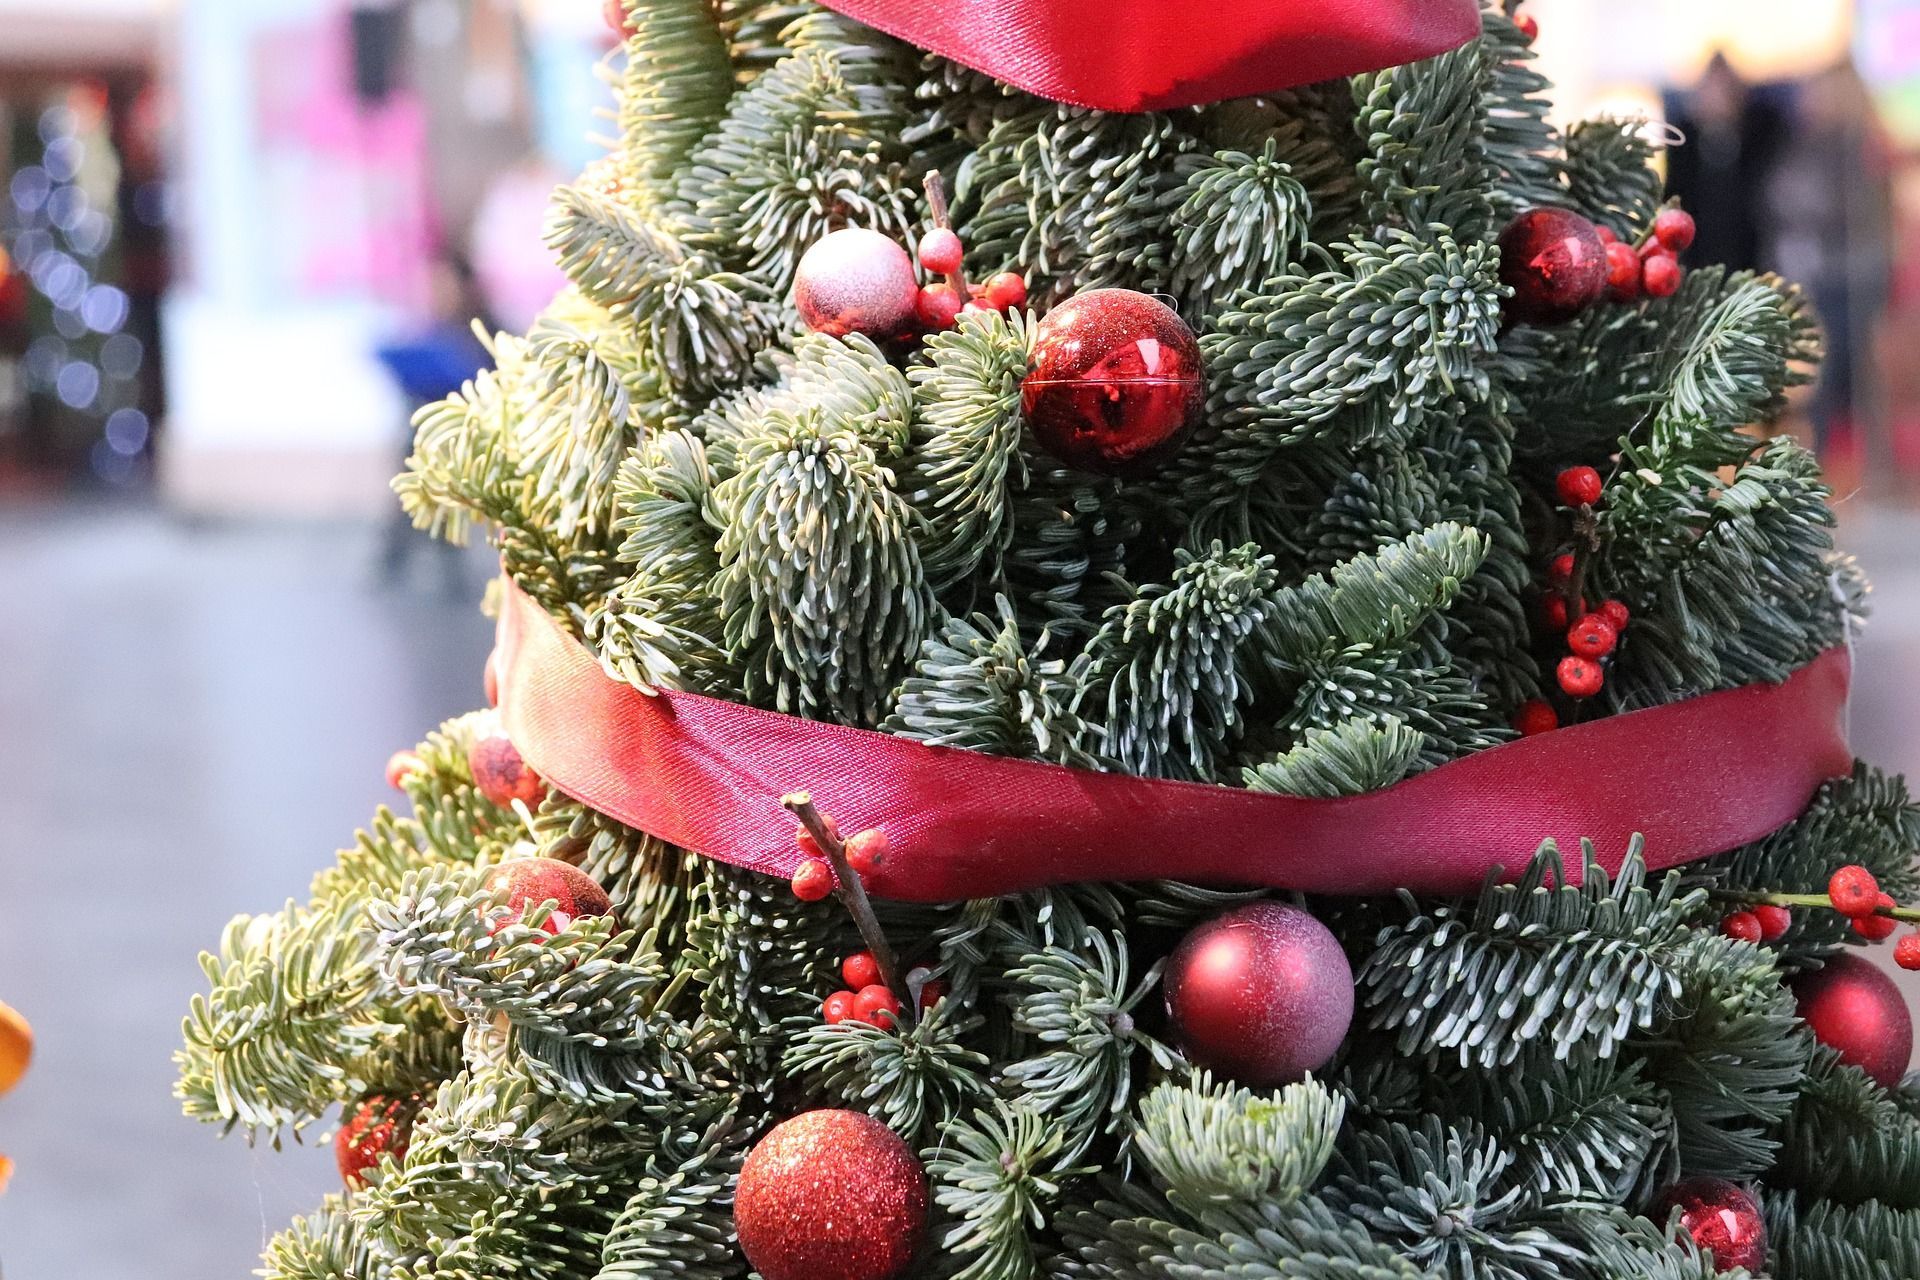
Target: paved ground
x,y
191,719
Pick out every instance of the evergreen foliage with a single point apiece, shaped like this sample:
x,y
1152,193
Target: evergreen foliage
x,y
1333,586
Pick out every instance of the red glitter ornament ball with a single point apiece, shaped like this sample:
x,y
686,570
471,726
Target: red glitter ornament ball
x,y
856,281
377,1127
499,772
1114,382
528,882
1555,262
1856,1010
831,1195
1721,1216
1262,994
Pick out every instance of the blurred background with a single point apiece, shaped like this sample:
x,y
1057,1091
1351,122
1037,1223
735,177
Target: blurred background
x,y
239,241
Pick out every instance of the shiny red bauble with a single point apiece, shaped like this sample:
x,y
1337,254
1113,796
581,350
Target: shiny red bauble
x,y
525,883
377,1127
856,281
1721,1216
1262,994
831,1195
498,770
1114,382
1555,262
1856,1010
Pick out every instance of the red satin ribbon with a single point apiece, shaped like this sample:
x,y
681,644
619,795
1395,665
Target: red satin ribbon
x,y
1150,55
1696,778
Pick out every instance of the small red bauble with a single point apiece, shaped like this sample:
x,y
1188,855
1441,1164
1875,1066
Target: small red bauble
x,y
856,281
837,1008
1593,636
937,307
878,1006
1877,928
402,765
378,1127
1623,272
830,1195
1555,263
860,970
1262,994
1616,613
1560,569
1529,27
1660,275
1579,677
866,850
528,882
1856,1010
1536,716
490,678
1578,487
1906,952
499,772
941,251
1774,921
1673,228
1113,383
1853,891
813,881
1006,291
1743,925
1721,1216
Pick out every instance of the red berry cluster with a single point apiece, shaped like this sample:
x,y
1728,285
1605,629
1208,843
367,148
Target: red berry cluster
x,y
867,998
1760,923
940,305
866,850
1853,892
1651,267
1591,634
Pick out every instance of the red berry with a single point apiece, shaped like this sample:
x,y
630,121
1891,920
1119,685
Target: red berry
x,y
877,1006
866,850
937,307
402,765
1660,275
813,881
1006,291
1554,610
1606,234
1535,716
1877,928
860,970
1673,228
1616,613
1906,952
1578,486
1580,678
1774,921
1623,272
1853,890
1561,568
810,846
1529,27
932,994
941,251
838,1008
1593,636
1741,925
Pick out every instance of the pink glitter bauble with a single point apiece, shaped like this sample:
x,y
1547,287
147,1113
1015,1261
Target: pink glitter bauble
x,y
1262,994
856,281
831,1195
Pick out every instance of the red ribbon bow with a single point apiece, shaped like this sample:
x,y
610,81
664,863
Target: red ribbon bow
x,y
1150,55
1696,778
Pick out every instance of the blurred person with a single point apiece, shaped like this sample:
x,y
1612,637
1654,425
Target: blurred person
x,y
1733,136
1829,215
429,365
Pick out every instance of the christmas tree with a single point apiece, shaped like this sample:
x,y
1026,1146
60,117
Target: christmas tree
x,y
1436,466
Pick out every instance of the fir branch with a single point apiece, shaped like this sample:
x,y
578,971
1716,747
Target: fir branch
x,y
673,89
915,1079
327,1244
995,1173
1610,174
1843,1242
679,1220
1354,756
1848,1141
1238,221
1216,1145
1577,967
